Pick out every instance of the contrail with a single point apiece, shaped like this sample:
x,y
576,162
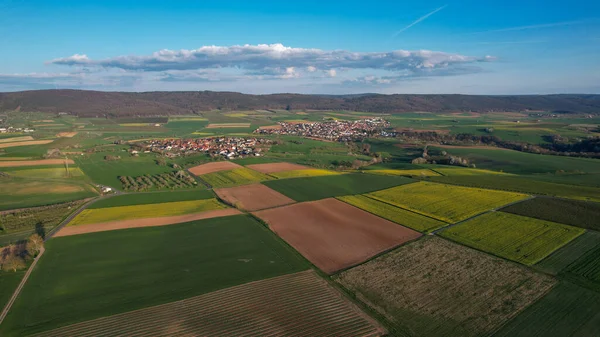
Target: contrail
x,y
419,20
544,25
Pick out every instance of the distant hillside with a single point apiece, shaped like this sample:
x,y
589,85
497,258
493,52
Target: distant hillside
x,y
96,103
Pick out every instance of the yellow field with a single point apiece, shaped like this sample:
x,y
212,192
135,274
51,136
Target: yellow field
x,y
16,139
444,202
303,173
90,216
54,172
187,119
409,173
138,124
237,114
463,171
228,125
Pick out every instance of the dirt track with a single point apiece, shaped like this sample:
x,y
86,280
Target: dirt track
x,y
334,235
40,162
33,142
148,222
253,197
213,167
276,167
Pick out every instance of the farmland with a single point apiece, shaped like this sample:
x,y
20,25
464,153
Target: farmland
x,y
586,269
213,167
245,197
240,176
514,237
562,258
20,193
302,296
314,188
444,202
571,212
202,257
432,287
568,310
152,198
8,282
269,168
406,173
172,180
334,235
400,216
303,173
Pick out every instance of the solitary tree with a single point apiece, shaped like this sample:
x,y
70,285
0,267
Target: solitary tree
x,y
35,244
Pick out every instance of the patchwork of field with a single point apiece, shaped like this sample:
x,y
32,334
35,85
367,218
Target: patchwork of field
x,y
314,188
16,139
400,216
152,198
562,258
240,176
586,270
20,193
571,212
26,143
407,173
269,168
128,270
48,173
213,167
432,287
304,173
334,235
568,310
253,197
40,162
101,215
514,237
463,171
296,304
446,203
227,125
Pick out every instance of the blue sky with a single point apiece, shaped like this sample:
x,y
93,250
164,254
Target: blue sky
x,y
329,47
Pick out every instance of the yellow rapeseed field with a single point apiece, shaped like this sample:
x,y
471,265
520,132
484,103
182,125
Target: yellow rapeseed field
x,y
445,202
463,171
304,173
90,216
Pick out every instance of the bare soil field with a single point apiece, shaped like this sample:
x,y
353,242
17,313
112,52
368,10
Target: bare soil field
x,y
40,162
228,125
253,197
334,235
213,167
289,305
276,167
433,287
16,139
147,222
66,134
33,142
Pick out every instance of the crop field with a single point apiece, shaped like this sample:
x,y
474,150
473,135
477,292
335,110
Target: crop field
x,y
172,180
586,269
406,173
16,139
126,270
514,237
41,162
152,198
432,287
240,176
296,304
26,143
562,258
227,125
246,197
8,283
304,173
400,216
91,216
568,310
269,168
463,171
20,193
334,235
48,173
571,212
213,167
314,188
447,203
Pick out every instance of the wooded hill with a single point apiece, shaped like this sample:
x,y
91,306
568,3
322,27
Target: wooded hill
x,y
97,103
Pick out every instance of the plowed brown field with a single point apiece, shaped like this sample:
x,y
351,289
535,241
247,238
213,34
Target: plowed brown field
x,y
147,222
66,134
253,197
33,142
213,167
298,304
276,167
35,162
16,139
334,235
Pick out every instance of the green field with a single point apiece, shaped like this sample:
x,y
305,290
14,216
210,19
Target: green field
x,y
446,203
514,237
463,171
99,215
314,188
406,173
47,173
152,198
8,283
303,173
586,269
21,193
568,310
562,258
571,212
400,216
239,176
124,270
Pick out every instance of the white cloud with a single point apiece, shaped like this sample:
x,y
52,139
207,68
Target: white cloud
x,y
311,69
331,73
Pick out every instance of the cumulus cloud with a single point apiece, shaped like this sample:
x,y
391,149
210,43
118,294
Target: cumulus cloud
x,y
269,59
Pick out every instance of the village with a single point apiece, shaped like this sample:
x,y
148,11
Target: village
x,y
228,147
334,130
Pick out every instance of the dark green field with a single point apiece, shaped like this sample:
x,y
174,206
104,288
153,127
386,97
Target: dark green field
x,y
562,258
568,310
571,212
314,188
152,198
88,276
586,270
8,283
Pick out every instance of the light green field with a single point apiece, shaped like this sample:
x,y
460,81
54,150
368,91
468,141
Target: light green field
x,y
240,176
57,172
407,173
303,173
445,202
463,171
514,237
90,216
